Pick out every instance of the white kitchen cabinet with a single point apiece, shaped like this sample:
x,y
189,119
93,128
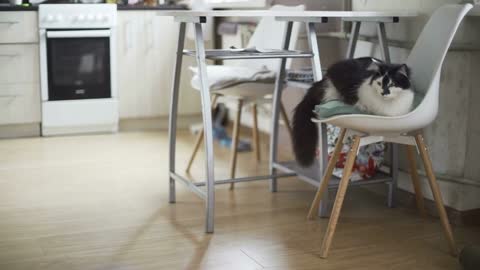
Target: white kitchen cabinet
x,y
146,50
19,63
19,69
18,27
19,103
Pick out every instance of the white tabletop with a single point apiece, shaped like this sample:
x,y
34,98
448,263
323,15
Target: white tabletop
x,y
280,13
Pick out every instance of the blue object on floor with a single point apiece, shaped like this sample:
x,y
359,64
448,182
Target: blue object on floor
x,y
220,134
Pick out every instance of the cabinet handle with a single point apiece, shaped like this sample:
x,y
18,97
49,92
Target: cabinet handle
x,y
149,33
9,22
9,55
128,36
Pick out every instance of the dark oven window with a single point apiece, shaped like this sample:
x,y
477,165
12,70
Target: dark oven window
x,y
78,68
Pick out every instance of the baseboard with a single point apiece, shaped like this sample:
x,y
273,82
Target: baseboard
x,y
407,199
157,123
77,130
19,130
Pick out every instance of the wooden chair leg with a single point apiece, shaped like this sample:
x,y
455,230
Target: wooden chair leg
x,y
285,119
342,189
199,139
255,135
436,192
327,175
235,139
415,179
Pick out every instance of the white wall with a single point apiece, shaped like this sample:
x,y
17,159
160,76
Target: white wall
x,y
455,135
454,138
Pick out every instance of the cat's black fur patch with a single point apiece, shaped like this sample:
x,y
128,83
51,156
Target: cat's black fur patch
x,y
347,76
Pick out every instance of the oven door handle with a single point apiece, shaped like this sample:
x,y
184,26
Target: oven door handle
x,y
79,34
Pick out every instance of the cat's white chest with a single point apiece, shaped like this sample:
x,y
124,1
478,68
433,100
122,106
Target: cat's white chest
x,y
371,101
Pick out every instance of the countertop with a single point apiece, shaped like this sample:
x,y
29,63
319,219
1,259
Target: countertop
x,y
7,7
289,13
157,7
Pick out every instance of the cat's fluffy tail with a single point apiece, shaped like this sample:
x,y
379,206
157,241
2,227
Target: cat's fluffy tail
x,y
305,132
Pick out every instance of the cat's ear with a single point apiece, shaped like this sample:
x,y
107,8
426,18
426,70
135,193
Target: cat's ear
x,y
404,70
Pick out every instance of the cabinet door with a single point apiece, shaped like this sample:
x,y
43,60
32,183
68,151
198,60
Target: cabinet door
x,y
146,56
129,76
18,27
19,84
19,103
19,63
161,35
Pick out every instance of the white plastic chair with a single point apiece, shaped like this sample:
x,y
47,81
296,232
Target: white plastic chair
x,y
425,60
268,35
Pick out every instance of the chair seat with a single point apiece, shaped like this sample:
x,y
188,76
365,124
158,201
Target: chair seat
x,y
248,91
223,76
375,124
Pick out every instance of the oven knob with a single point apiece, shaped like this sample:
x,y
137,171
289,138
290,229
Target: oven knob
x,y
105,18
90,17
49,18
80,17
98,17
59,18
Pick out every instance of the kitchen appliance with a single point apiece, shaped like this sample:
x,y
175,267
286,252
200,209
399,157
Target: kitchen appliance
x,y
77,68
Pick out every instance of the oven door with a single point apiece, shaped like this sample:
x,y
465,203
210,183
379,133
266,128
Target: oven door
x,y
78,64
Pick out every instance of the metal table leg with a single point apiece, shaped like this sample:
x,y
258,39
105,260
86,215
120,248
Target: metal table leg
x,y
277,98
322,131
207,127
352,43
382,37
172,122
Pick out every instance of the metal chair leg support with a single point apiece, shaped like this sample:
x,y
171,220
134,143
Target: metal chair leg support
x,y
392,187
207,128
286,120
172,121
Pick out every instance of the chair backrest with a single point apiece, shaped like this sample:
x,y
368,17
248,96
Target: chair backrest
x,y
427,55
269,34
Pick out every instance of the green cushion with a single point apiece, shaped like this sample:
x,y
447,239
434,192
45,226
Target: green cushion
x,y
337,107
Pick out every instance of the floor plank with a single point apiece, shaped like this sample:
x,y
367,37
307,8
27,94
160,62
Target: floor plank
x,y
101,202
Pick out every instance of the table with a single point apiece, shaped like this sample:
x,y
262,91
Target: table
x,y
309,18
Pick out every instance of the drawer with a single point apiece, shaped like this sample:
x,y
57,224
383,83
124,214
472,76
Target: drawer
x,y
19,63
19,103
18,27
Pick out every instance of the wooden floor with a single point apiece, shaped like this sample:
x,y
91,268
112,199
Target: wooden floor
x,y
100,202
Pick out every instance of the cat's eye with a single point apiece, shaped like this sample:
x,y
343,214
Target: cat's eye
x,y
379,83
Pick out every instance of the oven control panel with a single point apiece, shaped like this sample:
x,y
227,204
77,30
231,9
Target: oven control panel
x,y
77,16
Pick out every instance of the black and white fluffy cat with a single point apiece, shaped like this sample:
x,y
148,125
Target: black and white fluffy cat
x,y
367,83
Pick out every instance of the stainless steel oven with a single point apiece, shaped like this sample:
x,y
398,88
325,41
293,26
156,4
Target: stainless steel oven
x,y
77,66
